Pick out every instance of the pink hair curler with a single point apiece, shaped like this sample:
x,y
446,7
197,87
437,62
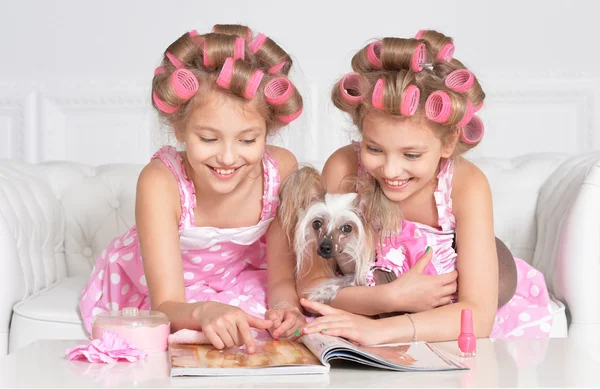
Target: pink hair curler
x,y
460,80
478,107
257,43
446,52
290,118
184,84
159,70
162,105
472,132
438,107
205,58
377,99
253,84
276,68
374,54
248,35
278,90
224,79
350,88
469,111
419,34
418,58
174,60
193,33
410,100
238,50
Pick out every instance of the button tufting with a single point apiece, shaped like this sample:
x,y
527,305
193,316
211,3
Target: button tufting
x,y
115,203
87,252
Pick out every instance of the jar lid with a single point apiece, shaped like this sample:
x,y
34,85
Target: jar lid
x,y
130,317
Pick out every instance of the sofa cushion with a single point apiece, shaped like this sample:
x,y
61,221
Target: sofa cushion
x,y
50,314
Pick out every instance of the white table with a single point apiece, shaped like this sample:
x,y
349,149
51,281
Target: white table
x,y
499,363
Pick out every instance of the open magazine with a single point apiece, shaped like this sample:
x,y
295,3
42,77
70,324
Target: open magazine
x,y
312,356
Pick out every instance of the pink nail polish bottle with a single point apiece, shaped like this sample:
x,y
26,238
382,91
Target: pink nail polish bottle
x,y
467,342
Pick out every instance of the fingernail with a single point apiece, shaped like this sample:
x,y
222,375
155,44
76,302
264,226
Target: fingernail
x,y
427,249
297,332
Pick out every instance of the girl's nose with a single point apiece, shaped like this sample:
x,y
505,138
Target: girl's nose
x,y
392,168
227,156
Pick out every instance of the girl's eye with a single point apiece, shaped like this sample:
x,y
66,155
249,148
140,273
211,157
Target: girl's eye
x,y
373,149
249,141
207,140
412,156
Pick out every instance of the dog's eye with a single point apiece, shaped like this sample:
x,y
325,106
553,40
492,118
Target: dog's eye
x,y
347,229
317,224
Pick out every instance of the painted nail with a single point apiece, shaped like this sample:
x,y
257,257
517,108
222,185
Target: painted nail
x,y
427,249
324,329
297,332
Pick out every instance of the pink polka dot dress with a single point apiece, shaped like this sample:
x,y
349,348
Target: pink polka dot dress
x,y
527,314
227,265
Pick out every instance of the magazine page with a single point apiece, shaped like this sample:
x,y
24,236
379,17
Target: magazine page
x,y
271,357
418,356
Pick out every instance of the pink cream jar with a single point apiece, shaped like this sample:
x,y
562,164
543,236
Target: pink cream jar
x,y
146,330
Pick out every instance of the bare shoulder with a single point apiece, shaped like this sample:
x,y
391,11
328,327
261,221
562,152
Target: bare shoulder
x,y
157,185
470,186
343,163
286,160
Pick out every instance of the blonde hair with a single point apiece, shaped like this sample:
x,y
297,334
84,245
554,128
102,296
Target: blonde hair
x,y
205,55
392,59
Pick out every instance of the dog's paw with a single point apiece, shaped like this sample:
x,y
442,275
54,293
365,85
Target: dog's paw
x,y
323,294
326,291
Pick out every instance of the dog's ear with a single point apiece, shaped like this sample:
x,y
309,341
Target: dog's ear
x,y
300,189
378,211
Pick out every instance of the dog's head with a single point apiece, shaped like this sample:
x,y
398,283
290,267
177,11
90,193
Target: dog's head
x,y
331,226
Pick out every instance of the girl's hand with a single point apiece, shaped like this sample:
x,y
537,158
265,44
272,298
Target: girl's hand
x,y
287,322
357,328
415,291
227,326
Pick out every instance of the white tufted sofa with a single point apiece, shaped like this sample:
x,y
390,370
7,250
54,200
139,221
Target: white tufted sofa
x,y
56,217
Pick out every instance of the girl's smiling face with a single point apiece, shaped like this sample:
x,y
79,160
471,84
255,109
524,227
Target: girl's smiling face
x,y
225,140
402,154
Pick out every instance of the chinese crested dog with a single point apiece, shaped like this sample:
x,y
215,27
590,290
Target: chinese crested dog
x,y
334,227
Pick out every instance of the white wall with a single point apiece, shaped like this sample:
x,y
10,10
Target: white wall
x,y
75,75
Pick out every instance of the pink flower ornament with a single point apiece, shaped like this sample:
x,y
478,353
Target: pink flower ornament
x,y
111,349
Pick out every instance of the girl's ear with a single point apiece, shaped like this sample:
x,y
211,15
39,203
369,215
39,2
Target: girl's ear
x,y
450,146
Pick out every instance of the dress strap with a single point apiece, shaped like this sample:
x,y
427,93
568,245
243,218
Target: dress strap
x,y
443,195
172,159
271,186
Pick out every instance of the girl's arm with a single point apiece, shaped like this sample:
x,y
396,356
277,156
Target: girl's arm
x,y
478,279
284,307
280,256
414,291
477,265
157,212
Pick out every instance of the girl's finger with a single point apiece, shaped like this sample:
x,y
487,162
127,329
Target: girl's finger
x,y
288,323
246,335
318,307
213,337
275,317
343,332
326,319
223,333
326,326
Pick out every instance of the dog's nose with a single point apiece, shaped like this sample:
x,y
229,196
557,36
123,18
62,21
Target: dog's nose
x,y
325,249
